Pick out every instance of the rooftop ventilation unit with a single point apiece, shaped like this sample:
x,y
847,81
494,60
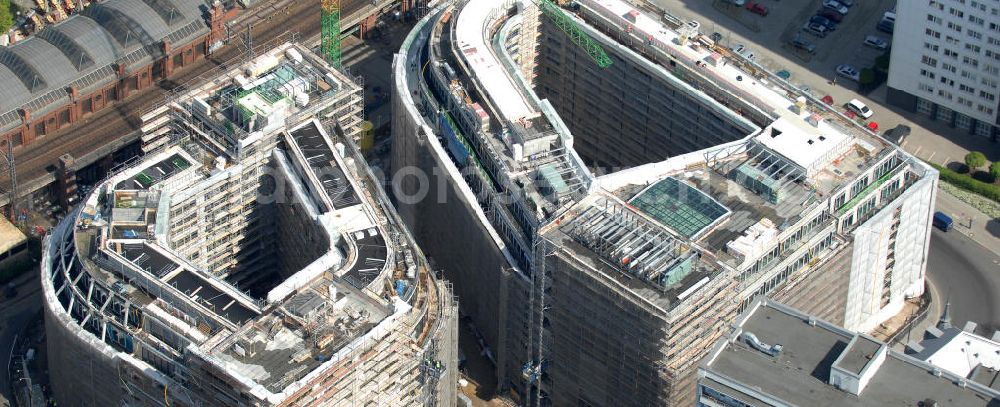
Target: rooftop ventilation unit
x,y
751,339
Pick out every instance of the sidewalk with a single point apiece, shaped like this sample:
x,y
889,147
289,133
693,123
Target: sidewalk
x,y
984,230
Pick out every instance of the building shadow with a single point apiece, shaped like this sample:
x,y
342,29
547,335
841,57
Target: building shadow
x,y
993,227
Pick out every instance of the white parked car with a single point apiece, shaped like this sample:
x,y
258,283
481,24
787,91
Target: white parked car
x,y
860,108
835,6
744,51
848,72
876,42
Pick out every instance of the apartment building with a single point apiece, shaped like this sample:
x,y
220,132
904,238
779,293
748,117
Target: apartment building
x,y
945,63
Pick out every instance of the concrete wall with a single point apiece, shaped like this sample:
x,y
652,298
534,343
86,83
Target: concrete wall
x,y
821,291
628,114
445,224
890,238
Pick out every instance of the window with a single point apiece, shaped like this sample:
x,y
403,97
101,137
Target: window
x,y
955,27
950,40
948,67
995,27
970,61
931,47
178,60
932,33
968,75
976,20
974,34
983,129
966,89
929,61
956,13
986,95
925,87
933,18
925,107
950,53
88,106
926,73
963,122
946,81
973,48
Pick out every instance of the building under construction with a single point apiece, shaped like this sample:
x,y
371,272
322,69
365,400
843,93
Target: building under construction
x,y
607,190
249,259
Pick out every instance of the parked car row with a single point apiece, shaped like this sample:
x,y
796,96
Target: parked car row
x,y
827,17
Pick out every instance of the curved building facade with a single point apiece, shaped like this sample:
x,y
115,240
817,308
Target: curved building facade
x,y
623,187
249,259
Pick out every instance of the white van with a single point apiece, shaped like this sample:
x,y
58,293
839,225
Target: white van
x,y
860,108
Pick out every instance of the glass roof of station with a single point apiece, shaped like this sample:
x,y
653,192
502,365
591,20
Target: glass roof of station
x,y
679,206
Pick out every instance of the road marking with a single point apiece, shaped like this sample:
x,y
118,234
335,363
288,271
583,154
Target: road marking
x,y
931,156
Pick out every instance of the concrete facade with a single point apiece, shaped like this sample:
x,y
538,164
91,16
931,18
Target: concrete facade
x,y
164,288
945,63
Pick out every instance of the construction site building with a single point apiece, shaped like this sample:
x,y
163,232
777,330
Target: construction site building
x,y
250,258
623,187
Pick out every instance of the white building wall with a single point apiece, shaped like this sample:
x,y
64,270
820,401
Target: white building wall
x,y
948,53
871,251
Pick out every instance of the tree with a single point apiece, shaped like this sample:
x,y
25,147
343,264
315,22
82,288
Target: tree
x,y
975,160
6,16
995,170
882,62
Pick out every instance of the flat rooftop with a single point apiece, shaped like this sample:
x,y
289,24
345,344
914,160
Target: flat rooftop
x,y
319,153
614,239
154,173
308,330
800,373
478,52
10,235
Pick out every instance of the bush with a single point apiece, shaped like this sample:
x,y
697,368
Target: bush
x,y
866,76
995,170
967,183
975,160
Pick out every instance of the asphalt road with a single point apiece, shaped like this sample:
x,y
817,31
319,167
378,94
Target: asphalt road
x,y
968,275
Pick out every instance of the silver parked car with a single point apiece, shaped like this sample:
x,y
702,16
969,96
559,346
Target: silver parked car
x,y
876,42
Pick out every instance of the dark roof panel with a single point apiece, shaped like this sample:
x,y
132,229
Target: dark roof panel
x,y
89,35
13,93
48,61
142,19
